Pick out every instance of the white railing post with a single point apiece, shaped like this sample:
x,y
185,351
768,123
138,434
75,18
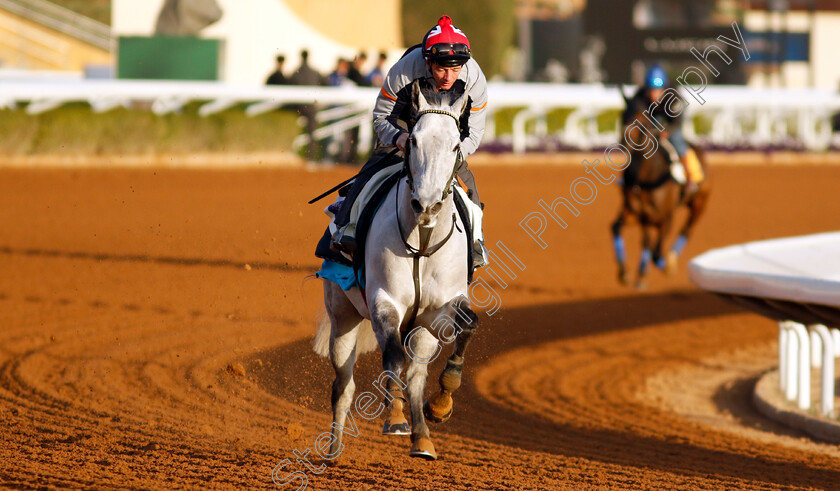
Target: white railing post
x,y
791,350
827,375
798,371
783,357
816,348
803,391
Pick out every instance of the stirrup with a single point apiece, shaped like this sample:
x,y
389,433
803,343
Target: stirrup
x,y
480,257
343,243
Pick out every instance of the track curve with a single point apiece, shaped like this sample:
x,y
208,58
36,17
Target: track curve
x,y
156,330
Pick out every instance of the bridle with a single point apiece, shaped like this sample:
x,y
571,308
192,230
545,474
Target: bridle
x,y
448,188
425,232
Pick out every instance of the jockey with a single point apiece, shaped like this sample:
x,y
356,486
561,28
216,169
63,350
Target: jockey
x,y
442,61
656,81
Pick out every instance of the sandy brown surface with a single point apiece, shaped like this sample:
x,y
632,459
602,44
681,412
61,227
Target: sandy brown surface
x,y
155,330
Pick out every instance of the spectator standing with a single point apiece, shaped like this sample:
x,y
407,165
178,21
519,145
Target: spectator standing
x,y
377,76
277,77
352,136
338,78
341,75
355,71
306,75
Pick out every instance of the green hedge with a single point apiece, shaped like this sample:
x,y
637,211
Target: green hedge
x,y
75,129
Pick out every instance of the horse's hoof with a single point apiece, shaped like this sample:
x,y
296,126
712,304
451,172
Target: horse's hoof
x,y
641,285
671,267
624,278
395,422
439,408
397,429
423,448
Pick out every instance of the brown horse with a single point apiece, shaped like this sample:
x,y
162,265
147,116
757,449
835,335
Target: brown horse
x,y
651,196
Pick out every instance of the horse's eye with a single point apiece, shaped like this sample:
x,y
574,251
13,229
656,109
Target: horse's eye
x,y
413,141
457,147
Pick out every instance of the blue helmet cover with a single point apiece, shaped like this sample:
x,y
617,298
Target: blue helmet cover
x,y
656,77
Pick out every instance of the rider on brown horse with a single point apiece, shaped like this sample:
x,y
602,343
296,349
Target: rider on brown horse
x,y
656,80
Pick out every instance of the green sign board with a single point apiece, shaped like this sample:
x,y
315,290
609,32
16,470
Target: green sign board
x,y
168,58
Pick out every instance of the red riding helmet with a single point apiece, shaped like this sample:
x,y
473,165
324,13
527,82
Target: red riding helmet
x,y
445,44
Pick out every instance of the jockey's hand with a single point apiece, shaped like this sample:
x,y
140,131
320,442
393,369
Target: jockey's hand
x,y
401,141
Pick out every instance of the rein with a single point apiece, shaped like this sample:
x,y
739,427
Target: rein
x,y
425,232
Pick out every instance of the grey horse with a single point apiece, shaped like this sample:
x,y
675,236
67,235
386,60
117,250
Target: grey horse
x,y
416,290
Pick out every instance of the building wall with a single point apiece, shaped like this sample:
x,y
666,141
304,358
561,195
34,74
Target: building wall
x,y
28,45
824,47
255,31
821,70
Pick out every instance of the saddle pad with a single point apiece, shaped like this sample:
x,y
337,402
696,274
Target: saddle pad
x,y
341,274
695,170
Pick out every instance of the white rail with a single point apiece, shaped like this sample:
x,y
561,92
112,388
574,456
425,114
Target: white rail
x,y
737,115
61,19
793,278
794,366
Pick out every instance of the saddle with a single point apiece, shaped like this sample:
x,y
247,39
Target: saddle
x,y
357,260
675,173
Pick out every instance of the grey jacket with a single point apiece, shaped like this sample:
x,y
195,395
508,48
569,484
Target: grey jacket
x,y
393,104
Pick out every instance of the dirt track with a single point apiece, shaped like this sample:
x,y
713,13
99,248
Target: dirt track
x,y
132,302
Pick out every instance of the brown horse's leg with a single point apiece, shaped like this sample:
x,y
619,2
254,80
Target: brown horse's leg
x,y
658,257
618,246
644,261
696,207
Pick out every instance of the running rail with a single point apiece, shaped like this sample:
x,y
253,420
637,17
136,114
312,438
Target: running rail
x,y
737,115
795,281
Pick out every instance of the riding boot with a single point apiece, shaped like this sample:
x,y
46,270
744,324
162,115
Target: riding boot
x,y
690,185
343,239
480,257
466,177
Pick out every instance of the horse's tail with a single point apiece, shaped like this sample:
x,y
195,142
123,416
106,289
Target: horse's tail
x,y
365,342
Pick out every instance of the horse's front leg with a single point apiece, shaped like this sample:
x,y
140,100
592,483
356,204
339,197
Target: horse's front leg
x,y
422,348
618,246
645,259
385,319
667,264
439,407
696,207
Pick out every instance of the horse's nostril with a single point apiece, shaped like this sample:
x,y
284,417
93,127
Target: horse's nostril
x,y
436,207
415,204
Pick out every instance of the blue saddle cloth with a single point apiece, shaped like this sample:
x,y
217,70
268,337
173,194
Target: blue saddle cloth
x,y
341,274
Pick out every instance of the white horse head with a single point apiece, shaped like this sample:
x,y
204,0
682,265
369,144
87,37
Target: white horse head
x,y
433,150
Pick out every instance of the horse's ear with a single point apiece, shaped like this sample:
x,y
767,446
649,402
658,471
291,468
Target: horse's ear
x,y
418,99
461,103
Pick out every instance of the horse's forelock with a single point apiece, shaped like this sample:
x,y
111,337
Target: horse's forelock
x,y
444,100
